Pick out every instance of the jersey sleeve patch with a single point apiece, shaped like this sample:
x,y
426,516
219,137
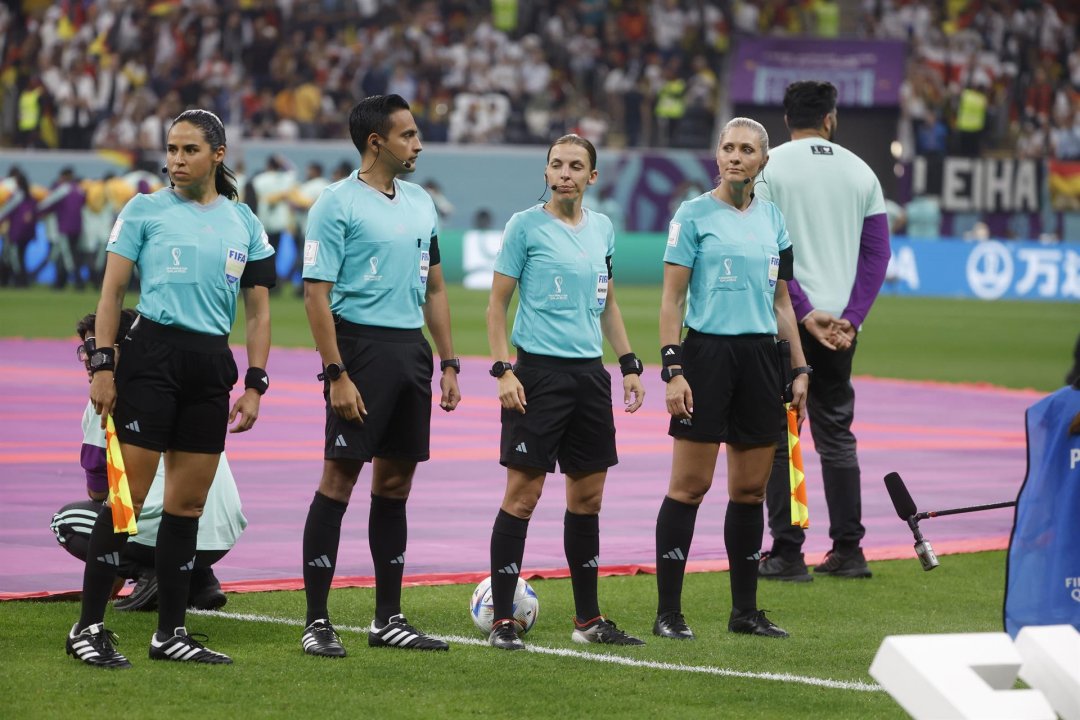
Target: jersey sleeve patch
x,y
673,234
311,252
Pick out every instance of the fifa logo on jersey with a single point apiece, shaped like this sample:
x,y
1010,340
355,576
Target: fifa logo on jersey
x,y
176,268
558,295
374,275
727,266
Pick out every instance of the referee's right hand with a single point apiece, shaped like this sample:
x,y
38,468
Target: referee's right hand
x,y
103,394
346,400
511,392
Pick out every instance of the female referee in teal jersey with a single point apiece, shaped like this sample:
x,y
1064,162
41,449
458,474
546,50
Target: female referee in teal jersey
x,y
556,402
733,254
195,248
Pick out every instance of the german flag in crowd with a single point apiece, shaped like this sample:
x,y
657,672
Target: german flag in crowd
x,y
1064,184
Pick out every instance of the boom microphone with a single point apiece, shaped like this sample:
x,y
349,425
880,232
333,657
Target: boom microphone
x,y
905,508
901,498
164,170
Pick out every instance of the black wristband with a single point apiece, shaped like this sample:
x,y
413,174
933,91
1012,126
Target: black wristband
x,y
102,359
630,365
454,363
671,355
256,379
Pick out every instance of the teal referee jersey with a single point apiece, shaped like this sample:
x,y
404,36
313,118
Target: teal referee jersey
x,y
562,275
190,257
376,250
734,257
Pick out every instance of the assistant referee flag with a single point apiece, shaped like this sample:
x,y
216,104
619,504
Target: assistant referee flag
x,y
123,514
800,511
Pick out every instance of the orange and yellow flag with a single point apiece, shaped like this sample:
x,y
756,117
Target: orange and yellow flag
x,y
123,514
800,511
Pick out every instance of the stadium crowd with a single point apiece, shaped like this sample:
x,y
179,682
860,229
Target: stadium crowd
x,y
987,75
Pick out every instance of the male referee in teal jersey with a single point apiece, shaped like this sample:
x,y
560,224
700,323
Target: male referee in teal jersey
x,y
372,278
835,213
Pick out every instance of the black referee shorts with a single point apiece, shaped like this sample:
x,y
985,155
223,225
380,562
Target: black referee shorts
x,y
172,389
735,380
392,369
568,417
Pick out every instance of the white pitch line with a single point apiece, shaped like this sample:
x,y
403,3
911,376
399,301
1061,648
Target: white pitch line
x,y
593,657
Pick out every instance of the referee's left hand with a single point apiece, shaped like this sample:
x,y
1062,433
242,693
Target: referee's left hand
x,y
633,392
451,395
247,407
798,396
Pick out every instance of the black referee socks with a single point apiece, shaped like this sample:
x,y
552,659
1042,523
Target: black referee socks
x,y
322,534
507,551
387,537
102,560
744,527
581,543
174,559
674,533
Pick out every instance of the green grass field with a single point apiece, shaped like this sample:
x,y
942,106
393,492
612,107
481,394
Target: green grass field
x,y
1012,344
820,672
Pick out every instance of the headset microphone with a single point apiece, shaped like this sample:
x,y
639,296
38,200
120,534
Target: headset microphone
x,y
404,163
747,181
164,170
554,188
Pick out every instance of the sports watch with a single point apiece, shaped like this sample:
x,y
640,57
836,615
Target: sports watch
x,y
499,369
450,363
332,372
801,370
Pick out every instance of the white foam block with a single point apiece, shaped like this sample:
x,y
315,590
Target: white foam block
x,y
957,676
1051,656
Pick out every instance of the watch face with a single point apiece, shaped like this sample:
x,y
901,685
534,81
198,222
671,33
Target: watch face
x,y
97,359
333,371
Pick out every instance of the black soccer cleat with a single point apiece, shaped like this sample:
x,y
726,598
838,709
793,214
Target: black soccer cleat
x,y
754,622
398,633
602,631
778,567
182,647
504,636
851,564
205,591
143,596
95,646
322,640
672,625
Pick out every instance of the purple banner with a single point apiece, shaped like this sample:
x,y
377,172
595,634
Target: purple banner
x,y
867,73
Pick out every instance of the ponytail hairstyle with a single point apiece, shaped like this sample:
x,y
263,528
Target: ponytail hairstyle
x,y
213,131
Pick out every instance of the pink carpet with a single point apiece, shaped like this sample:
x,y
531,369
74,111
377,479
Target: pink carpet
x,y
954,445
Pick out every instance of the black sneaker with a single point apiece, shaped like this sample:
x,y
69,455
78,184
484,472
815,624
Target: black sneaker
x,y
94,646
398,633
754,622
205,591
182,647
322,640
844,564
143,596
602,631
672,625
504,636
777,567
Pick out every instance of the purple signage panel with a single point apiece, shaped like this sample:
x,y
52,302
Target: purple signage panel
x,y
867,73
